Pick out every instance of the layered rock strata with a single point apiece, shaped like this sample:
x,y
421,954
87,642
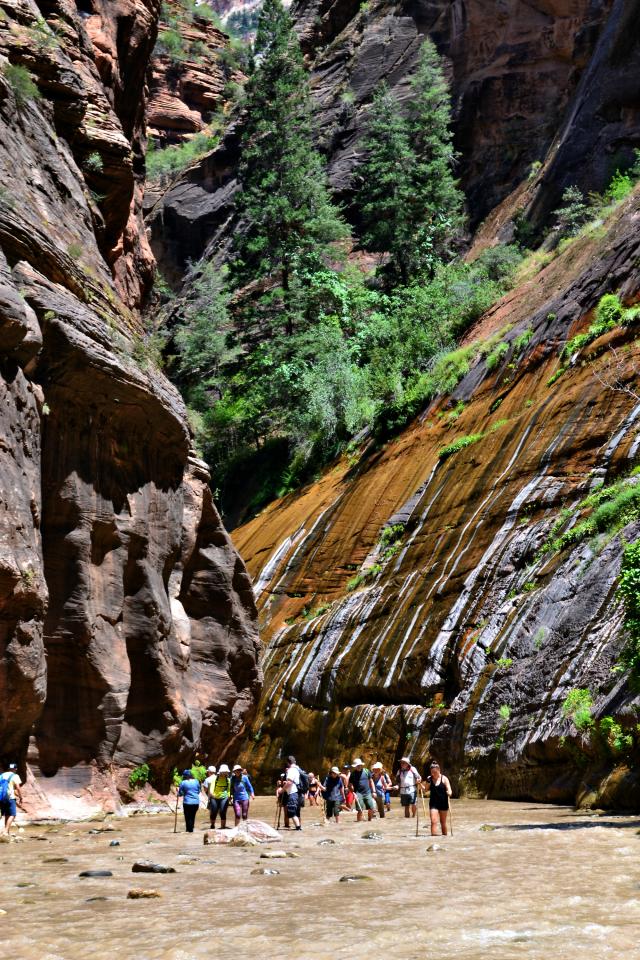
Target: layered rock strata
x,y
186,92
465,639
127,622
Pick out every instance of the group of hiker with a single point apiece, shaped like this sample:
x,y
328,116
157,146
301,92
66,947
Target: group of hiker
x,y
221,787
356,787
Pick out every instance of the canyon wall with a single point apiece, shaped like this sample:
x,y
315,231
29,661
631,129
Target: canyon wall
x,y
518,72
127,621
465,638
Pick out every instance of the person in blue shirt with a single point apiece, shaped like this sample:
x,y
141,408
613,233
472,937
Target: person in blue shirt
x,y
241,793
189,790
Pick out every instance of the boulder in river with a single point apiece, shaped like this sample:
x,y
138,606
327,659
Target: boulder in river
x,y
372,835
265,872
56,860
354,878
138,894
325,842
95,873
114,843
435,848
148,866
273,855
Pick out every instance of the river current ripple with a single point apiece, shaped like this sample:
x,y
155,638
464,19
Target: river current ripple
x,y
544,882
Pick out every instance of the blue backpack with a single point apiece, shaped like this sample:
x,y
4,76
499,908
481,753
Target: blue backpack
x,y
4,787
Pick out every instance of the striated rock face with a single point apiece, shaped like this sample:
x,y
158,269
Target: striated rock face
x,y
465,617
127,623
516,68
184,93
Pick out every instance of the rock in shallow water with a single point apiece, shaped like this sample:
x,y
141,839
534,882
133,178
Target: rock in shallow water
x,y
372,835
137,894
265,872
435,848
354,878
95,873
148,866
114,843
322,843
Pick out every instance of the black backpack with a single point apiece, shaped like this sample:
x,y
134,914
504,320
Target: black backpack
x,y
303,786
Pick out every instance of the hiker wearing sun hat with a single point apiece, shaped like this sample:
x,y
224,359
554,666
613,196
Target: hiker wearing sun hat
x,y
241,792
408,781
364,789
382,785
218,791
333,793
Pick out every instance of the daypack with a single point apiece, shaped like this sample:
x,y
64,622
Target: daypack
x,y
4,788
303,786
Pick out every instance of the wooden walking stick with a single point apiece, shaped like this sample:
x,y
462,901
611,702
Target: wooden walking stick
x,y
424,806
275,816
450,816
175,819
417,814
279,801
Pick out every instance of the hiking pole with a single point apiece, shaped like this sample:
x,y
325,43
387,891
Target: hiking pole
x,y
279,801
275,816
175,819
424,806
417,816
450,816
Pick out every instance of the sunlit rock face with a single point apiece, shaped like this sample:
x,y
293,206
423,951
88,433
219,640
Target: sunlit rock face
x,y
127,622
515,68
464,640
185,94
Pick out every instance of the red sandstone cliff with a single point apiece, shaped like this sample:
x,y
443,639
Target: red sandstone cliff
x,y
127,622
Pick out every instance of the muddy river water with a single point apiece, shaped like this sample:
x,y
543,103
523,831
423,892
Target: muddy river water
x,y
545,882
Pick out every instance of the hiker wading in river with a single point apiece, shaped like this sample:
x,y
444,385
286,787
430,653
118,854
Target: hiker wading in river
x,y
408,782
382,784
333,793
364,789
10,792
189,790
218,791
291,786
439,793
241,792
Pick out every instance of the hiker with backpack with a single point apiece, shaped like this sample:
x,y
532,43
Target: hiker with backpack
x,y
364,789
219,792
241,792
333,793
189,790
296,785
10,784
408,781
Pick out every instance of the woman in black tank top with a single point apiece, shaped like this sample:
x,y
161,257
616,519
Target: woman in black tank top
x,y
439,793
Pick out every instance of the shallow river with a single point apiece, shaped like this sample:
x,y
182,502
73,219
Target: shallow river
x,y
547,882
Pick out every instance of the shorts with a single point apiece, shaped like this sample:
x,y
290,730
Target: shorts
x,y
435,806
293,805
8,808
365,800
333,808
408,799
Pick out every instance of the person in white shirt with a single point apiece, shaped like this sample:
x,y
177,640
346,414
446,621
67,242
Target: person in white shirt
x,y
10,792
291,785
408,780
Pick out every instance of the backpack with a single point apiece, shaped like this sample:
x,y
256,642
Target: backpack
x,y
303,786
4,788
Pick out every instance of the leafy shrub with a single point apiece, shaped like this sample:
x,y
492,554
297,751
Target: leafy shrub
x,y
504,663
629,590
609,314
21,83
577,708
94,163
199,772
459,444
496,356
609,509
619,188
169,161
522,340
139,776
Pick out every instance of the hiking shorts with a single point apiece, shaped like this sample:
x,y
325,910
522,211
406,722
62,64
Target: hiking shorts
x,y
293,805
8,808
365,801
408,799
333,808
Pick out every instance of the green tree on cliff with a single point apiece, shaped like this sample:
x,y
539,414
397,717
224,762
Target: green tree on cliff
x,y
287,218
411,202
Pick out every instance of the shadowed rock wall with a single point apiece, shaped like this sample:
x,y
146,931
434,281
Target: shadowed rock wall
x,y
465,617
127,621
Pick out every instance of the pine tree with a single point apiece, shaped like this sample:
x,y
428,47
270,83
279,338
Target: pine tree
x,y
288,217
424,209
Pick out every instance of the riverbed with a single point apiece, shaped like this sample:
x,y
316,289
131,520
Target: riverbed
x,y
515,881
